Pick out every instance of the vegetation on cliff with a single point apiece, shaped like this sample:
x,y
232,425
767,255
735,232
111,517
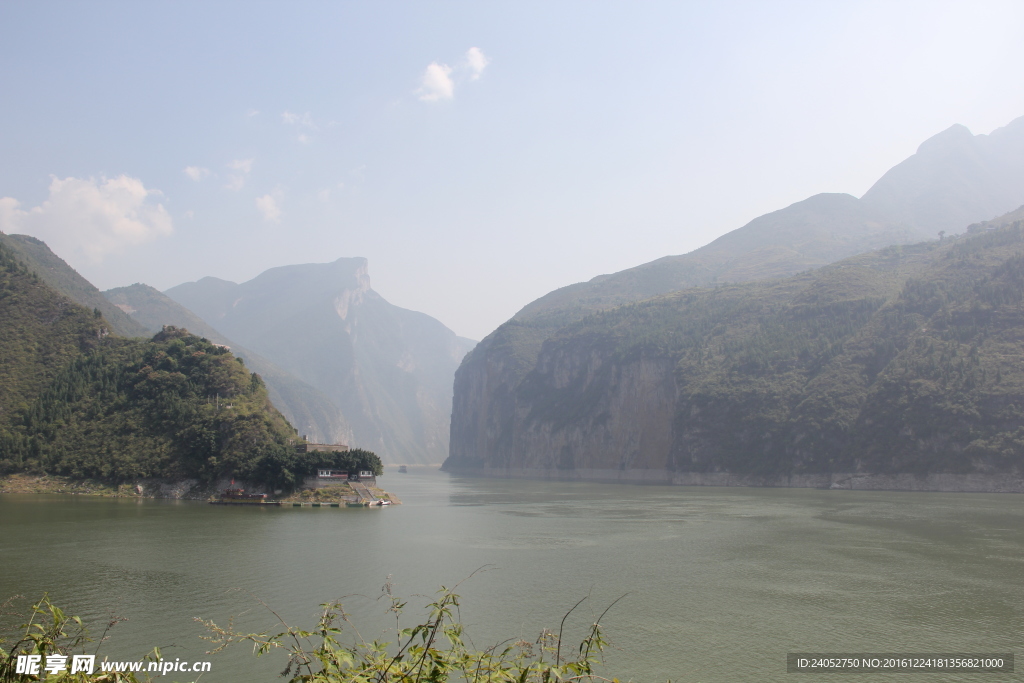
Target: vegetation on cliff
x,y
176,406
64,279
305,406
79,402
900,360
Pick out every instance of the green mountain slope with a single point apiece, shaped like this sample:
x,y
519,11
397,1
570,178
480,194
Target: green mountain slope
x,y
41,331
904,360
305,406
954,176
388,369
56,273
77,401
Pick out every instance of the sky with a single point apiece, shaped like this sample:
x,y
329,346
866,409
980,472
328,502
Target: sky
x,y
479,154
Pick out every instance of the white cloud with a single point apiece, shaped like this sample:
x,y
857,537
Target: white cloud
x,y
90,219
190,214
437,83
303,138
476,61
269,206
252,112
236,181
243,165
196,173
325,194
298,119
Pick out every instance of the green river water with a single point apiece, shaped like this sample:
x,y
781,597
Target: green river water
x,y
719,583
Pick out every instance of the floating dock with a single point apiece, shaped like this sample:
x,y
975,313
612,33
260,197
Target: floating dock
x,y
279,503
275,503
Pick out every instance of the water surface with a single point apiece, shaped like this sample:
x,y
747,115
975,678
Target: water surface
x,y
720,583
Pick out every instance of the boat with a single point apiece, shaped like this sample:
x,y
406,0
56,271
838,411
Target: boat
x,y
383,501
403,469
240,494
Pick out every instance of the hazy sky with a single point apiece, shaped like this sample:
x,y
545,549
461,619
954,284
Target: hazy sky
x,y
479,154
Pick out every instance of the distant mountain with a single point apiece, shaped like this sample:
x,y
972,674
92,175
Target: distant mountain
x,y
301,403
903,361
954,179
388,369
56,273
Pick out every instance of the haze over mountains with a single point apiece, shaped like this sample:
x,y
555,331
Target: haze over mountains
x,y
344,365
387,369
340,362
300,402
500,401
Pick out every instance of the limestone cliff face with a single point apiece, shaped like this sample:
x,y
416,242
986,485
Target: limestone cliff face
x,y
897,362
552,388
387,369
581,407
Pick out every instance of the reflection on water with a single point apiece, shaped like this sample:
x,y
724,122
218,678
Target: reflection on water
x,y
720,583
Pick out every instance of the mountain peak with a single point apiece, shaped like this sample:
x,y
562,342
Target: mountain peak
x,y
954,137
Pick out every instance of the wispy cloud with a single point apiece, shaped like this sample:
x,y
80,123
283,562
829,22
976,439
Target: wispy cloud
x,y
303,121
236,181
196,173
243,165
299,119
89,218
476,61
325,194
437,83
270,206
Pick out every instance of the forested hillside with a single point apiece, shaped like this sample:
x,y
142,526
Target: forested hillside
x,y
305,406
900,360
56,273
77,401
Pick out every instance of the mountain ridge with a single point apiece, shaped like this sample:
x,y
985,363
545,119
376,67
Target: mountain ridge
x,y
808,234
388,369
62,277
301,403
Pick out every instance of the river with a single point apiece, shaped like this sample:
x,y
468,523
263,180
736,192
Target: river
x,y
719,583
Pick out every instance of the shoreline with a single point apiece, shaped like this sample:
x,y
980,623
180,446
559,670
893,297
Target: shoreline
x,y
172,489
838,481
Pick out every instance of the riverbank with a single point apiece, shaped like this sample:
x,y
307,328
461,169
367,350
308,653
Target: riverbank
x,y
177,489
25,483
852,481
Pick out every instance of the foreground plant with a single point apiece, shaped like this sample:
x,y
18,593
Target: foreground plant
x,y
54,644
433,651
50,646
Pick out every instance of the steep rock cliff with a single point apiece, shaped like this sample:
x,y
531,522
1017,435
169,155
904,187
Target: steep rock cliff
x,y
898,361
389,370
955,176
